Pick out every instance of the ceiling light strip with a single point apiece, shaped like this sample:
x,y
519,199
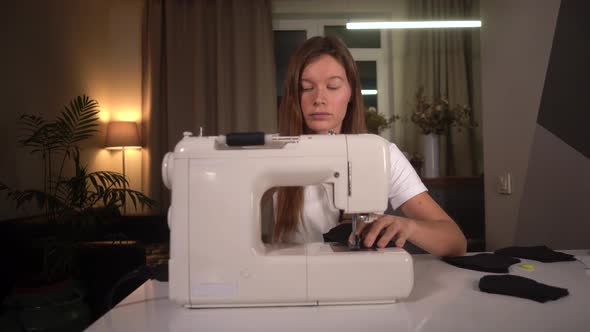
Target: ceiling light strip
x,y
413,25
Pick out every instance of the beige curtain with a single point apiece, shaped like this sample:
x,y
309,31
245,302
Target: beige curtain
x,y
444,62
206,64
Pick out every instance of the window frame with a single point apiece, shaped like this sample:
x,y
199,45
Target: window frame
x,y
315,27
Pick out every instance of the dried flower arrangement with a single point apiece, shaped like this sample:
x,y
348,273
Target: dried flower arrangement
x,y
435,115
377,122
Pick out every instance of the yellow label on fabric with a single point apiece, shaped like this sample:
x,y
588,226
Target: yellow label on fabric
x,y
526,266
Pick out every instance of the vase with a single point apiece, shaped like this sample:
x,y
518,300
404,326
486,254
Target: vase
x,y
431,154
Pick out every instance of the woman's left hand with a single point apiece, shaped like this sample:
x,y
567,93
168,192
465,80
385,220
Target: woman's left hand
x,y
384,229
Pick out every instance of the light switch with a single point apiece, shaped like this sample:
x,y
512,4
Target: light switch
x,y
505,184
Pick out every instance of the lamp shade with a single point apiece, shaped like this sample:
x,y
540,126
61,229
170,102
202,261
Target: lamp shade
x,y
122,134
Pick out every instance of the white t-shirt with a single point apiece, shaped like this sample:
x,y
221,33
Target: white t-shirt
x,y
320,215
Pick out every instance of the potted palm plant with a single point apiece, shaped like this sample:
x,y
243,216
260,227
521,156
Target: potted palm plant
x,y
71,200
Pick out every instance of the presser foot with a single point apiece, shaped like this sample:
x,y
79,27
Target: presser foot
x,y
355,245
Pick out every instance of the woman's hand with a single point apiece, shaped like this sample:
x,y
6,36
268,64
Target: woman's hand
x,y
427,226
383,229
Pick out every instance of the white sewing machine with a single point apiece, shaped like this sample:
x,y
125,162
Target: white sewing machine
x,y
217,257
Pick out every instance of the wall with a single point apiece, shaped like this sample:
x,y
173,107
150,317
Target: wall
x,y
554,209
528,76
54,51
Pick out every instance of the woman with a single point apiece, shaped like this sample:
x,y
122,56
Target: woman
x,y
323,95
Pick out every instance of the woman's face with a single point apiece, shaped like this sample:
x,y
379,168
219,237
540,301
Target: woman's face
x,y
325,94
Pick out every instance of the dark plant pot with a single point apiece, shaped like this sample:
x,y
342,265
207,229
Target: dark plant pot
x,y
57,307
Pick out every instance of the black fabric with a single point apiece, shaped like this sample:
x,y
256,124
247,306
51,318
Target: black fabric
x,y
340,216
483,262
521,287
537,253
341,233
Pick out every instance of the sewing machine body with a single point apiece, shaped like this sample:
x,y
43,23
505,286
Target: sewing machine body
x,y
217,257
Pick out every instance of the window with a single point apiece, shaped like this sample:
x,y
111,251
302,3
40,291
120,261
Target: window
x,y
368,77
368,47
285,44
355,38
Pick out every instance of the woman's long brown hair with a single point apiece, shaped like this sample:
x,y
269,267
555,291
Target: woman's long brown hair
x,y
291,122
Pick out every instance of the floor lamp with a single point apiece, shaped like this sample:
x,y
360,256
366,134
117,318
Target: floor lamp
x,y
122,135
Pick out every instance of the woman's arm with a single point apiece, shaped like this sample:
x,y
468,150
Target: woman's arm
x,y
427,225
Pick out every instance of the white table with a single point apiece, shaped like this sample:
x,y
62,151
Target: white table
x,y
444,298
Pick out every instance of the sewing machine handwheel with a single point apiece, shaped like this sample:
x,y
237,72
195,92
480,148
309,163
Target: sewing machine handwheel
x,y
167,167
